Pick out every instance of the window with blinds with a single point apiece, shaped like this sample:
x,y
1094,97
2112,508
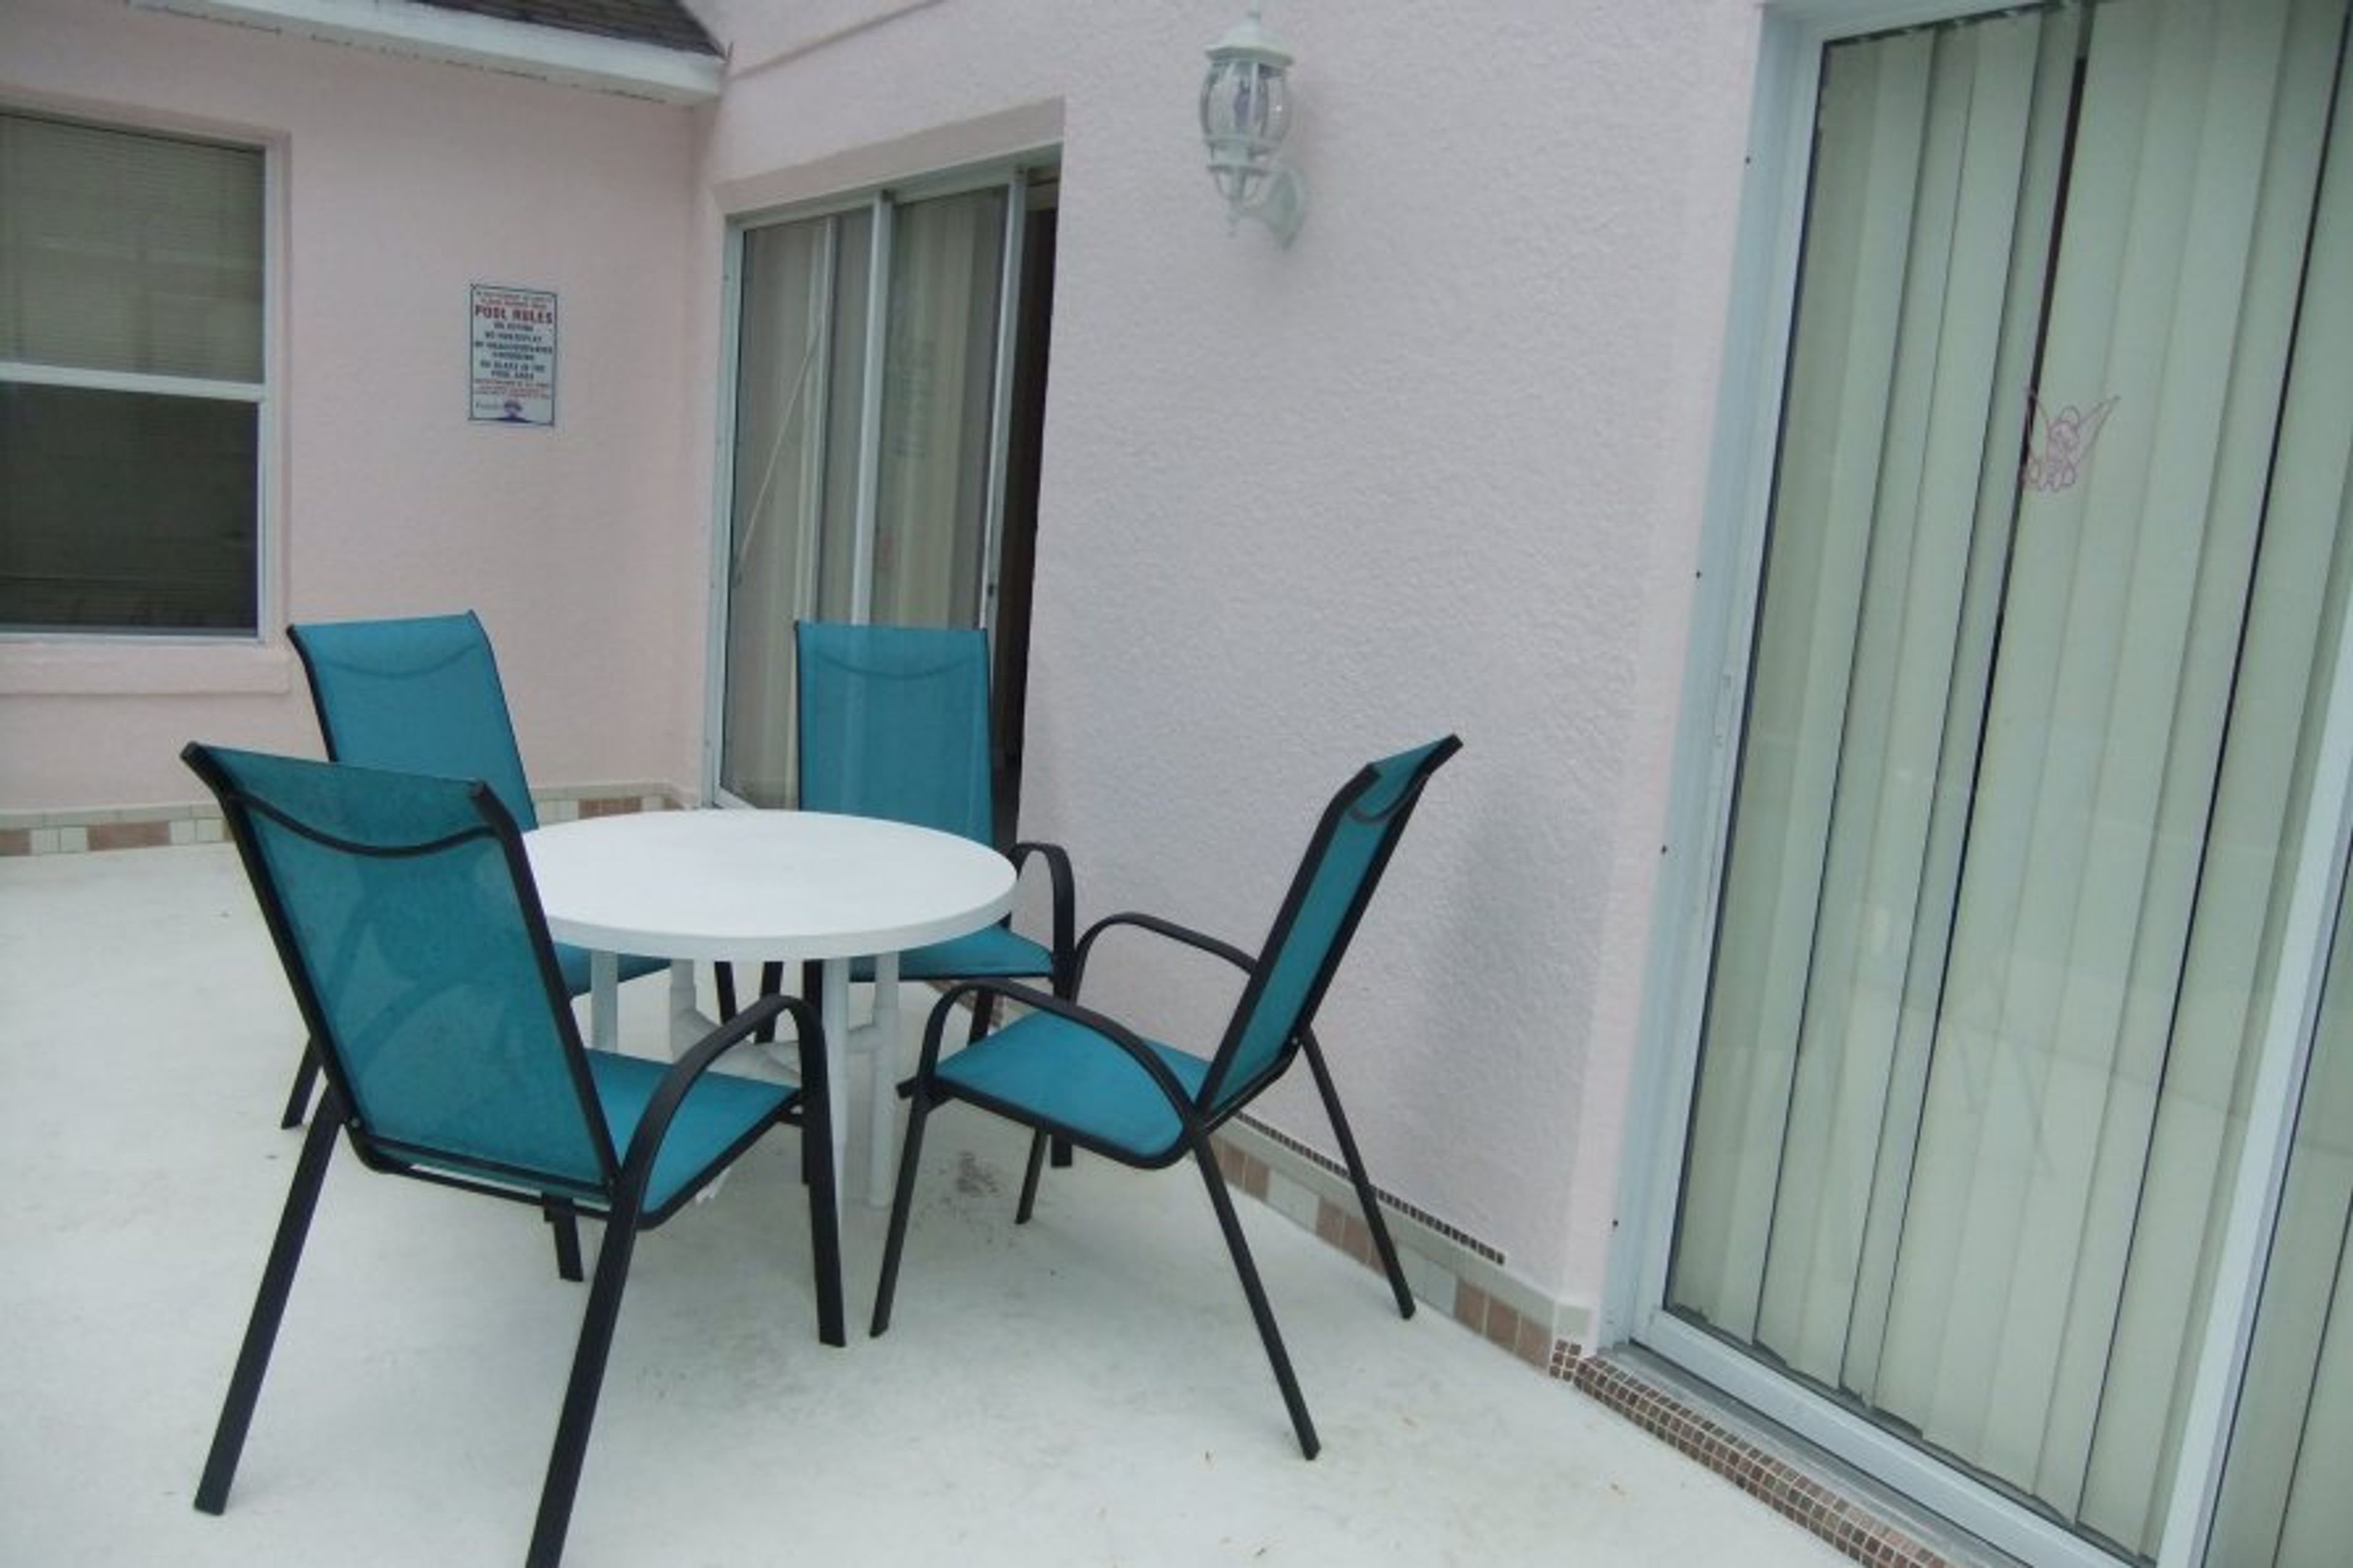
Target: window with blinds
x,y
132,389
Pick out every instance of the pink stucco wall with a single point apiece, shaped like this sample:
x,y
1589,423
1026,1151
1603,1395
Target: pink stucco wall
x,y
401,183
1439,467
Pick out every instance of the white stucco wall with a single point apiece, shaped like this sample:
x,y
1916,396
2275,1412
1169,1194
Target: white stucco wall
x,y
1439,467
401,183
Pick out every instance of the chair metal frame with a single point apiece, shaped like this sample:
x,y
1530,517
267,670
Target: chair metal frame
x,y
973,644
1200,1113
620,1201
461,635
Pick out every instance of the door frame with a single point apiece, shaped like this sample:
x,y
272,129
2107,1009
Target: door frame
x,y
1018,176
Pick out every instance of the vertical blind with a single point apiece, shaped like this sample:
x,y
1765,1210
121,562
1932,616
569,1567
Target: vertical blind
x,y
799,385
818,394
939,397
2284,1502
2051,574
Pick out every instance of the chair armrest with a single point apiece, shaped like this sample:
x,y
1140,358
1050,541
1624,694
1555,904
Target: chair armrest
x,y
1109,1028
1201,941
1057,861
646,1142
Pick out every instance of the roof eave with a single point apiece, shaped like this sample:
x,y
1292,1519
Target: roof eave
x,y
427,32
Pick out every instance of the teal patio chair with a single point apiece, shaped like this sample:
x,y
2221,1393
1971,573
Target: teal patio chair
x,y
404,911
893,722
421,694
1067,1072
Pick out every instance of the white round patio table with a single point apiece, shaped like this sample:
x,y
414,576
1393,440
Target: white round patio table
x,y
748,885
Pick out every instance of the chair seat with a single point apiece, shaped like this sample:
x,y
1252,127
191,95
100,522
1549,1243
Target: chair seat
x,y
991,953
1046,1068
1067,1072
404,912
573,961
721,1114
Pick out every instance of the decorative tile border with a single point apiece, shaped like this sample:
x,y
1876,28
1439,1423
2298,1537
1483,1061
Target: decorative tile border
x,y
1446,1267
1505,1326
628,807
75,833
1824,1510
153,827
1459,1274
571,806
1317,1157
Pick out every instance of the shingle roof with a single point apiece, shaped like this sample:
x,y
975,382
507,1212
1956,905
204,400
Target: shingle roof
x,y
667,24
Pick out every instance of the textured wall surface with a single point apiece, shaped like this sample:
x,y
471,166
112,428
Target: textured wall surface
x,y
1439,467
403,183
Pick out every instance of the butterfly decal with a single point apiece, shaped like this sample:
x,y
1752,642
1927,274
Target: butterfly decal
x,y
2060,444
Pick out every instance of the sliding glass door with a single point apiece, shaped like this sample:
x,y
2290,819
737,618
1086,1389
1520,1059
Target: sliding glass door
x,y
799,462
874,390
2285,1495
2032,776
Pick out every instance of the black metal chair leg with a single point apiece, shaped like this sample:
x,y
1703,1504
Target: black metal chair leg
x,y
1269,1335
1038,1141
306,1078
984,1013
269,1309
1061,1153
1366,1197
819,1176
901,1200
580,1392
772,984
565,1221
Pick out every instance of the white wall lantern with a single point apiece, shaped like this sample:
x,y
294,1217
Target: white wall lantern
x,y
1245,114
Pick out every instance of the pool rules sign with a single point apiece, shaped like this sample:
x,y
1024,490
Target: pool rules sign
x,y
513,359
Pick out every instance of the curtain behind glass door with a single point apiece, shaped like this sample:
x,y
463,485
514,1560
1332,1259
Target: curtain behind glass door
x,y
800,375
814,532
2017,806
939,402
2284,1502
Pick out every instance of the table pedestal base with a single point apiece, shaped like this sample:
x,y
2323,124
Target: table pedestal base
x,y
878,1038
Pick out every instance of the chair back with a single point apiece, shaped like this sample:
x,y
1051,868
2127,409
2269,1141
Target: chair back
x,y
894,724
404,911
1328,895
417,695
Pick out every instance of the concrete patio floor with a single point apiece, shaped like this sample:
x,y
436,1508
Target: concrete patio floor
x,y
1086,1389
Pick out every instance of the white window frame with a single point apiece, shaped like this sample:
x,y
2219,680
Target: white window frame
x,y
1732,553
262,395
